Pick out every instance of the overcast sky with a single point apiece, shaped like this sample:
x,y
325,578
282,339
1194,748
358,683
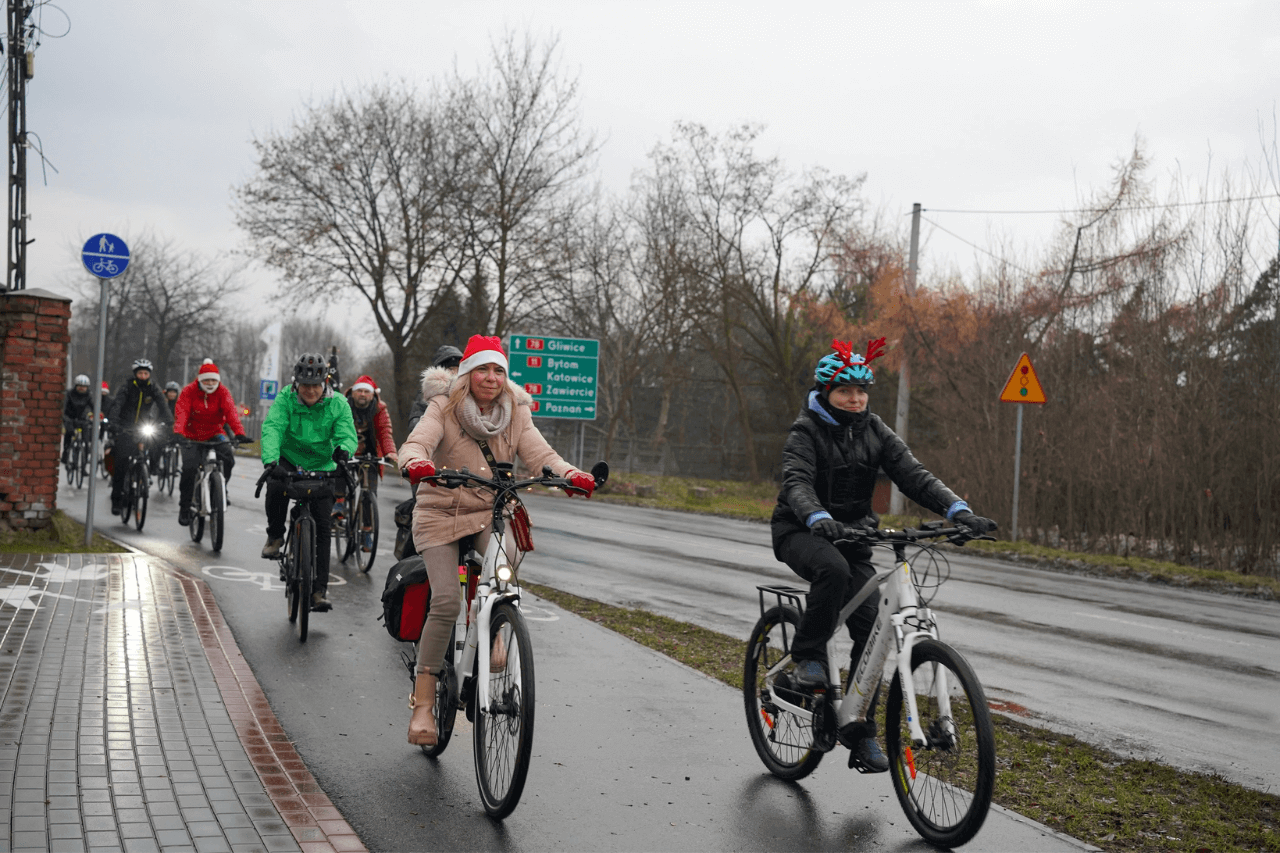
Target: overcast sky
x,y
147,108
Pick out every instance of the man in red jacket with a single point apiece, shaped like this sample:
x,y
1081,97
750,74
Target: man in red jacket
x,y
203,409
373,435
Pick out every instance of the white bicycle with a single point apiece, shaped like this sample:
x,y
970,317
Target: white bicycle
x,y
498,701
941,746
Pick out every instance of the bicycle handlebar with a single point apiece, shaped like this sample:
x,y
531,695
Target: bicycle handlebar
x,y
956,535
275,473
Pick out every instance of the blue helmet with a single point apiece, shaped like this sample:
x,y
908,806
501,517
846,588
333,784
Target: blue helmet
x,y
844,367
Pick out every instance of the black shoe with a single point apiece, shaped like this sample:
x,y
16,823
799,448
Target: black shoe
x,y
271,550
117,507
867,757
810,675
320,604
184,516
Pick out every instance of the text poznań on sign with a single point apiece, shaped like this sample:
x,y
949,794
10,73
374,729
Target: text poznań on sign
x,y
559,373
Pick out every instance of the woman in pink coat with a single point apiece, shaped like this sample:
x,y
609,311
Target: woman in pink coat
x,y
482,405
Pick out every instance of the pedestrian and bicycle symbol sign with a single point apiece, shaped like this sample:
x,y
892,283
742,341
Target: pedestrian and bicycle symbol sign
x,y
105,255
560,374
1023,385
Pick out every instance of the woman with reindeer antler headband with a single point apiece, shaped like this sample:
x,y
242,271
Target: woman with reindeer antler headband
x,y
829,465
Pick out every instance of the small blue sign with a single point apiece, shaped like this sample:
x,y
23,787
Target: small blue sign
x,y
267,389
105,255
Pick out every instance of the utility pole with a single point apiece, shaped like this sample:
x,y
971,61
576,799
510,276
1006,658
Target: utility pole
x,y
896,502
20,71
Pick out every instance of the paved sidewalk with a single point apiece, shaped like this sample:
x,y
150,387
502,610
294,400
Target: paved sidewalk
x,y
129,721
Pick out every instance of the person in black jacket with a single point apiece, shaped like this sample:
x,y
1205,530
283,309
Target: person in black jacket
x,y
139,403
829,465
77,411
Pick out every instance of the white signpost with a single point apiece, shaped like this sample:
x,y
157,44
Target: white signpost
x,y
105,256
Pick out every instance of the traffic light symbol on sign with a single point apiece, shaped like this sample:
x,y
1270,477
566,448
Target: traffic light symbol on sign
x,y
533,361
1023,385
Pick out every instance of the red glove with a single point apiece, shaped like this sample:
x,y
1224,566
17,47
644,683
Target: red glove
x,y
419,471
583,482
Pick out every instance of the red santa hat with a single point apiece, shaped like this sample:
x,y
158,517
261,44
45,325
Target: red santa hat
x,y
482,350
365,383
208,370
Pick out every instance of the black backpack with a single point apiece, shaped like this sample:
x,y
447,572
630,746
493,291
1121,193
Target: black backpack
x,y
404,530
405,599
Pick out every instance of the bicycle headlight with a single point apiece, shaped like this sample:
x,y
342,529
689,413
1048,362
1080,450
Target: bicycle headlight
x,y
505,574
148,430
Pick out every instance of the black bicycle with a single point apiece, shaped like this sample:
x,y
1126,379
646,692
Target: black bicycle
x,y
79,455
355,520
137,480
298,556
169,468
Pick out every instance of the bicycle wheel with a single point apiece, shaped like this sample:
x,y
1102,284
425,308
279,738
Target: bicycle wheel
x,y
215,510
341,531
141,494
446,709
84,461
368,514
70,464
504,730
306,567
175,468
196,527
783,739
944,786
291,575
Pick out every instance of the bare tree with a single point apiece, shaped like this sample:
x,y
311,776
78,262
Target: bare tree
x,y
519,125
353,203
170,302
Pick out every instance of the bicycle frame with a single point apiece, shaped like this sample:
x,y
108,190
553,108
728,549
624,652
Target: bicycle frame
x,y
474,617
899,605
206,467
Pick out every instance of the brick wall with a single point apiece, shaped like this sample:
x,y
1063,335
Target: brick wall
x,y
33,368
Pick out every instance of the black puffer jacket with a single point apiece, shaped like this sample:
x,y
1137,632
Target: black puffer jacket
x,y
137,402
833,467
78,406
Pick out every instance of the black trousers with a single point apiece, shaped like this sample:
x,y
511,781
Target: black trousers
x,y
191,456
321,510
835,574
125,451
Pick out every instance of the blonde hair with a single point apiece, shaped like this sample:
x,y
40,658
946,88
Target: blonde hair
x,y
462,387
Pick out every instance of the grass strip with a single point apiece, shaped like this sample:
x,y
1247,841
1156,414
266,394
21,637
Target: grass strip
x,y
1087,792
64,535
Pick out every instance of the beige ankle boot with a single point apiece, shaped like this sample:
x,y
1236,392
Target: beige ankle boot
x,y
422,726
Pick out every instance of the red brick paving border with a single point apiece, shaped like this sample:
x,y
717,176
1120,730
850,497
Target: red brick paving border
x,y
308,812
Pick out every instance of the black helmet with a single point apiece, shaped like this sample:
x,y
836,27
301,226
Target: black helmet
x,y
447,356
142,364
172,386
310,369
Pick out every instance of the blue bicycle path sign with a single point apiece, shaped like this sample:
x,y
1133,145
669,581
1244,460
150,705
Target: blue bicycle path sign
x,y
105,255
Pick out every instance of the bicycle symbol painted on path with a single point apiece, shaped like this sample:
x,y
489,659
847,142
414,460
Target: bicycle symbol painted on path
x,y
268,581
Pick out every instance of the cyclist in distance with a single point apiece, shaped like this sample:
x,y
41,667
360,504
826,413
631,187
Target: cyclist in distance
x,y
172,390
139,403
308,427
829,463
436,379
77,410
373,433
484,417
203,410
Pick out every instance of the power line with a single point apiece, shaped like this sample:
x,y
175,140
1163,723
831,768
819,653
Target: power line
x,y
1113,210
979,248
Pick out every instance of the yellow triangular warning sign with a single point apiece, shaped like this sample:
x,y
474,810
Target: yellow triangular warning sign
x,y
1023,385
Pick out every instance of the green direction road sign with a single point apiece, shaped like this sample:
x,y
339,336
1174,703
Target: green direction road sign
x,y
559,373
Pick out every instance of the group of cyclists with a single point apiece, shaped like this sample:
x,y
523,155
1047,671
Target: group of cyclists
x,y
471,415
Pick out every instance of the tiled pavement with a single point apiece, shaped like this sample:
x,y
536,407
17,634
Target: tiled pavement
x,y
129,721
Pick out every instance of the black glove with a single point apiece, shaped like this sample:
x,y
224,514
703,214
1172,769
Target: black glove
x,y
976,523
828,528
241,438
340,455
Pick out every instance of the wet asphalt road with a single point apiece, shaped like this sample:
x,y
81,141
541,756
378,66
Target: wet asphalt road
x,y
605,704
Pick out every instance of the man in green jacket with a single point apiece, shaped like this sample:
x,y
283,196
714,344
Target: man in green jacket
x,y
309,427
